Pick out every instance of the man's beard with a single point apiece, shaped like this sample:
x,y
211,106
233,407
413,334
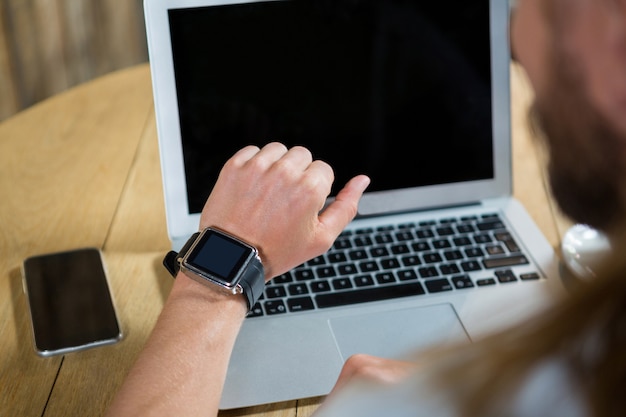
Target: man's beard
x,y
585,154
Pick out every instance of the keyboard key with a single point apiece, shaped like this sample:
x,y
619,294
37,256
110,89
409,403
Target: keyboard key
x,y
509,242
421,246
407,275
361,241
325,272
462,241
368,266
441,244
482,238
341,244
469,266
298,289
383,239
273,307
428,272
411,260
300,304
449,269
465,228
275,292
347,269
400,249
505,261
389,263
438,285
363,280
531,276
357,254
490,225
304,274
469,218
494,250
385,278
404,235
448,221
445,231
485,281
342,283
431,258
506,275
425,234
320,286
283,279
369,294
474,252
462,281
318,260
453,255
336,257
379,251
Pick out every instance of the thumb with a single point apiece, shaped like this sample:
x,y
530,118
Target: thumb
x,y
340,212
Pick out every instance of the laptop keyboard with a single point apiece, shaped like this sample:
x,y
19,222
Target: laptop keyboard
x,y
363,265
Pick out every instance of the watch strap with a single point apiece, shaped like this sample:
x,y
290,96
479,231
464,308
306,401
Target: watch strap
x,y
172,258
253,282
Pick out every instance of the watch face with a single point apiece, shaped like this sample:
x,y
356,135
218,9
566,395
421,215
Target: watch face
x,y
219,256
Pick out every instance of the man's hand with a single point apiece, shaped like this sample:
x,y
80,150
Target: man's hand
x,y
273,198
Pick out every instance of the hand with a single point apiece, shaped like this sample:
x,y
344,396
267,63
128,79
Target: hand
x,y
372,368
273,198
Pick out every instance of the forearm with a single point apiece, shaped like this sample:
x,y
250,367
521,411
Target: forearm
x,y
182,368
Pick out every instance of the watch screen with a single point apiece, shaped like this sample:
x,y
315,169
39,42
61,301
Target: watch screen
x,y
219,256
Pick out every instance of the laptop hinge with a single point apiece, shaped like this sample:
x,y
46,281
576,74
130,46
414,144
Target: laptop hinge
x,y
419,210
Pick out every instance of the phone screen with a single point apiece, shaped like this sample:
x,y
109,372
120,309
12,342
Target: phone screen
x,y
70,302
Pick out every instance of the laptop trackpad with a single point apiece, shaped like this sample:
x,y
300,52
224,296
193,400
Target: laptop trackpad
x,y
404,330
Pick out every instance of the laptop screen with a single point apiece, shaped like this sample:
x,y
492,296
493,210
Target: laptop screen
x,y
398,90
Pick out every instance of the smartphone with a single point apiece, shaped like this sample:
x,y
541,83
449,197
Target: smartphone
x,y
70,302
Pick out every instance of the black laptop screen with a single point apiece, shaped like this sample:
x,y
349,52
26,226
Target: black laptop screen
x,y
399,90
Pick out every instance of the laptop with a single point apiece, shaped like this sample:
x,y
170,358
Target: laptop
x,y
416,95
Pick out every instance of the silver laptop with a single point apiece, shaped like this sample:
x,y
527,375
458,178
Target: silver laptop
x,y
416,95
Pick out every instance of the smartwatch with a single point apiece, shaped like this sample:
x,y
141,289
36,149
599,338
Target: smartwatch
x,y
214,257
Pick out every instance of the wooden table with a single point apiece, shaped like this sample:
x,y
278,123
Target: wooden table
x,y
82,169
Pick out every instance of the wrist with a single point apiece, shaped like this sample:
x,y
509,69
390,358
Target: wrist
x,y
195,295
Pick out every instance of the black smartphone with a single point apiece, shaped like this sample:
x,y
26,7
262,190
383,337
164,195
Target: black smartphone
x,y
70,301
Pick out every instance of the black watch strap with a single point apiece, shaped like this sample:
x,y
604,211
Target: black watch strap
x,y
171,260
253,282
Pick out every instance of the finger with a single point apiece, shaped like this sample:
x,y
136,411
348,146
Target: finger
x,y
297,157
373,368
341,211
269,154
358,366
320,176
244,155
